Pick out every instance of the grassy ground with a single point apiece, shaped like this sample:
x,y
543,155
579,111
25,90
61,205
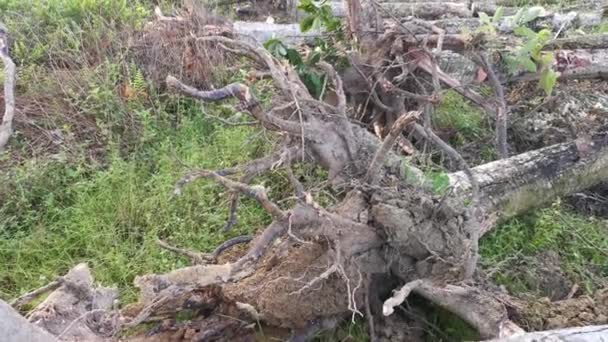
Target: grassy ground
x,y
62,207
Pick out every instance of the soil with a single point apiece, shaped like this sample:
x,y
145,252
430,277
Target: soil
x,y
586,310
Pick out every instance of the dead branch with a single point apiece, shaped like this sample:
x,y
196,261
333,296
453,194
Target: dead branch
x,y
6,128
590,42
424,10
373,174
337,81
581,73
487,315
502,111
428,134
261,55
195,257
426,64
78,320
198,258
146,312
243,93
32,295
62,312
256,192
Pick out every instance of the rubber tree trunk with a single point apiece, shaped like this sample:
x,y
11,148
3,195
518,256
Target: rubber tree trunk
x,y
513,185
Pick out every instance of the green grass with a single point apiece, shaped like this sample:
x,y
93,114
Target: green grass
x,y
522,3
456,114
54,214
580,242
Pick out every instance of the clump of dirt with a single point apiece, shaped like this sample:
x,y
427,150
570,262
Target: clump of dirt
x,y
592,202
544,314
577,108
279,291
215,328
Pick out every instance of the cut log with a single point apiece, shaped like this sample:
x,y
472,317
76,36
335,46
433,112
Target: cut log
x,y
424,10
517,184
592,41
578,334
261,32
77,310
16,328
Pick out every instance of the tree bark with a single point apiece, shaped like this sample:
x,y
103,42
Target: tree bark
x,y
517,184
16,328
592,41
424,10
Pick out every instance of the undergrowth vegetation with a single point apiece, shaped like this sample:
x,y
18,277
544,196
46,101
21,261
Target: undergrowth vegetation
x,y
522,251
56,214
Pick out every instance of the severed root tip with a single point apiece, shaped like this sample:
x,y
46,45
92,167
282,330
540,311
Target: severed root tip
x,y
399,297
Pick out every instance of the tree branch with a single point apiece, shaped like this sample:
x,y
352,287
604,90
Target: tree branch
x,y
502,112
243,93
373,172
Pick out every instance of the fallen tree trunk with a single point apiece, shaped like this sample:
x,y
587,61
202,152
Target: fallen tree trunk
x,y
591,41
578,334
404,230
424,10
514,185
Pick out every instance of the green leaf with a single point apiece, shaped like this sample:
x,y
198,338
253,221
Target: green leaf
x,y
546,60
316,24
532,13
316,82
314,58
307,6
527,63
281,50
517,17
547,80
307,23
544,36
498,14
484,18
440,182
523,31
294,57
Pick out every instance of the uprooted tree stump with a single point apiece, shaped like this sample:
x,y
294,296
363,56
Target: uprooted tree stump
x,y
313,262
